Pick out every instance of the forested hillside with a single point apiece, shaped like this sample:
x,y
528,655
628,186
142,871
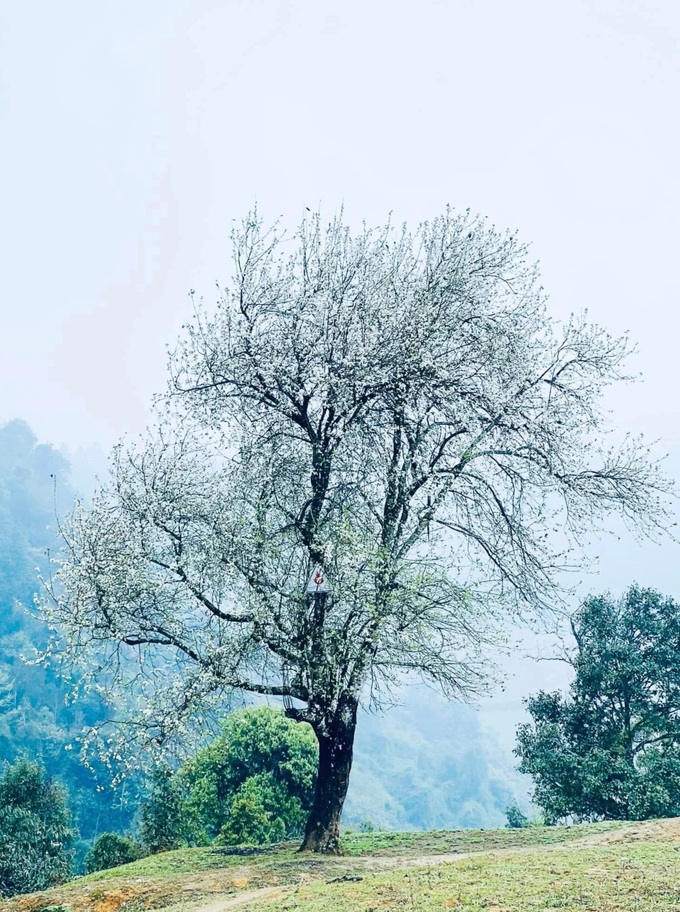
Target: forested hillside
x,y
35,718
425,764
428,764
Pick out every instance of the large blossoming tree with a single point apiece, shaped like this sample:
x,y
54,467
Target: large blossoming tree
x,y
395,412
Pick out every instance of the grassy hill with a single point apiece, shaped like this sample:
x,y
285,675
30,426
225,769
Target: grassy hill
x,y
598,867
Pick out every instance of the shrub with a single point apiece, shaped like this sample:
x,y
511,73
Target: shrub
x,y
516,819
110,850
254,784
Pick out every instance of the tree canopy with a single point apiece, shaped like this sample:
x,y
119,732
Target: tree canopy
x,y
255,783
395,409
35,831
611,749
36,717
110,850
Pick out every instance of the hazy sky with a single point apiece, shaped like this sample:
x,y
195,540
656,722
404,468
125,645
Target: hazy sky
x,y
133,133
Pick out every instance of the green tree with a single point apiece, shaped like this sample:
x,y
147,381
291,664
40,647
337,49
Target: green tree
x,y
516,819
36,837
110,850
36,719
258,813
611,748
255,783
163,818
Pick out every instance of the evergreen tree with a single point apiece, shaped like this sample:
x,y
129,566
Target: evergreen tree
x,y
36,836
611,749
163,819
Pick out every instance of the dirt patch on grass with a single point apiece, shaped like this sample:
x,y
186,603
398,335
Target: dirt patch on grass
x,y
121,894
234,901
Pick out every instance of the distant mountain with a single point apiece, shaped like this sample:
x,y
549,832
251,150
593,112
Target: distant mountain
x,y
36,718
429,764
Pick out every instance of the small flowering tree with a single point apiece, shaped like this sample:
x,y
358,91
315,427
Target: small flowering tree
x,y
395,410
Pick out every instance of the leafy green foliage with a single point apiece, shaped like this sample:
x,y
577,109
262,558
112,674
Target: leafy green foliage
x,y
110,850
35,830
516,819
611,749
35,717
163,816
257,812
254,784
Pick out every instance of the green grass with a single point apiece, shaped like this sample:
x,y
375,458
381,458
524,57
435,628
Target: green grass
x,y
187,861
642,878
636,868
449,841
388,843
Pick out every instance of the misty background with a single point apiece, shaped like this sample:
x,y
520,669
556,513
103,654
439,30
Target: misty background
x,y
133,134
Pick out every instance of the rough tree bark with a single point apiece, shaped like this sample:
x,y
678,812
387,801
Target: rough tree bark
x,y
336,746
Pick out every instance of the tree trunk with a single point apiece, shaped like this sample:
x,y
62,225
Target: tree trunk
x,y
336,745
